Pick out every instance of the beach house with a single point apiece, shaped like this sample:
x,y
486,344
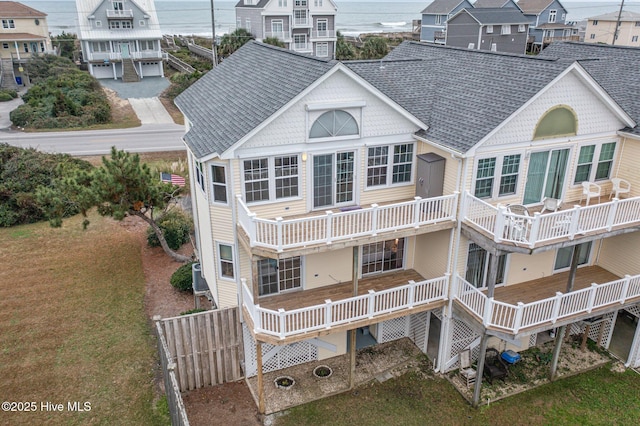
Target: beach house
x,y
24,33
602,29
547,23
435,16
120,39
337,209
305,26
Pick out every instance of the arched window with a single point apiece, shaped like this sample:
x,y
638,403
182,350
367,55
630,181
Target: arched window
x,y
556,122
334,123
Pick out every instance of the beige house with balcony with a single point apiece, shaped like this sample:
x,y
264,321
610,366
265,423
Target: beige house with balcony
x,y
120,39
305,26
24,33
344,209
602,29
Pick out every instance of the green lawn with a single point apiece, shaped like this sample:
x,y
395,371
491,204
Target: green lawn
x,y
73,327
598,397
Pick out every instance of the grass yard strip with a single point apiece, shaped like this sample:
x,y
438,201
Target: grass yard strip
x,y
73,324
597,397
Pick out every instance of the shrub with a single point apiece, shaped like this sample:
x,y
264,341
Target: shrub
x,y
193,311
7,95
176,227
182,278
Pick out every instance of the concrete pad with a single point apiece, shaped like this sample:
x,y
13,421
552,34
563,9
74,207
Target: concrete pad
x,y
5,110
150,111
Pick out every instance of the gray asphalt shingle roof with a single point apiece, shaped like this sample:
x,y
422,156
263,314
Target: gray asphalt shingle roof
x,y
615,68
498,16
242,92
441,7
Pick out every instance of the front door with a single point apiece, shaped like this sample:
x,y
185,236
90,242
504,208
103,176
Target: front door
x,y
333,179
546,175
34,47
124,50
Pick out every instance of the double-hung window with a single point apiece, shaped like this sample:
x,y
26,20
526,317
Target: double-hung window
x,y
521,28
489,29
225,255
505,29
585,171
199,169
270,178
384,161
506,168
275,276
219,182
8,23
552,16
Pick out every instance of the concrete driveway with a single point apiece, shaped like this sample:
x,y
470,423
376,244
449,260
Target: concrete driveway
x,y
143,97
150,111
5,109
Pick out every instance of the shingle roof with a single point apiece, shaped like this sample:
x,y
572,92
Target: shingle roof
x,y
490,3
13,9
533,6
615,68
625,16
441,7
447,88
498,16
243,91
260,4
20,36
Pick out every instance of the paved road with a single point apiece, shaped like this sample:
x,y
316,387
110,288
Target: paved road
x,y
146,138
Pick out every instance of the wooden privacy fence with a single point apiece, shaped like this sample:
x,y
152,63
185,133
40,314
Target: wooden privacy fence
x,y
206,347
171,388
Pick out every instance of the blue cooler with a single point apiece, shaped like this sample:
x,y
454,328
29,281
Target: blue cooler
x,y
510,356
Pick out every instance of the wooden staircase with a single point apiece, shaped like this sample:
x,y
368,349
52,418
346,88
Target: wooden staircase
x,y
129,72
8,79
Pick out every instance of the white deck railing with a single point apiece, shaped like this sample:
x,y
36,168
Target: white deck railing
x,y
332,226
282,323
541,228
120,13
513,318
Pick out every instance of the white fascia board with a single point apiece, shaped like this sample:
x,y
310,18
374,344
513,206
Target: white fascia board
x,y
440,146
629,135
229,153
574,67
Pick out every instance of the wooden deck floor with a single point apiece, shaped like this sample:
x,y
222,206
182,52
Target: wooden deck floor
x,y
543,288
317,296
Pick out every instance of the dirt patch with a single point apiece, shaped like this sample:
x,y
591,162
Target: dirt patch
x,y
172,109
122,114
228,404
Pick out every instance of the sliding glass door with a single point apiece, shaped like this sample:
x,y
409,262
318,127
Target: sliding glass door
x,y
333,179
546,175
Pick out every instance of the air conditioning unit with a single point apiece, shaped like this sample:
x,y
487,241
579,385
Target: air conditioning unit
x,y
199,283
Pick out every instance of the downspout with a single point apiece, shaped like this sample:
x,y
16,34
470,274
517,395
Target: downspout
x,y
236,252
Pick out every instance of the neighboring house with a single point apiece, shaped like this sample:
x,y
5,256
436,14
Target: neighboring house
x,y
602,29
435,16
120,39
480,4
24,33
305,26
497,29
547,23
314,179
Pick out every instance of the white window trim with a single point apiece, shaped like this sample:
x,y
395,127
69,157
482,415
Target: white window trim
x,y
594,162
389,179
291,290
553,16
497,175
587,263
220,260
213,184
325,45
200,177
271,168
505,29
374,273
522,28
489,29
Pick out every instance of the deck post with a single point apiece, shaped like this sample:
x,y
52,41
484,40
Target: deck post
x,y
611,218
374,219
255,279
261,404
480,370
416,212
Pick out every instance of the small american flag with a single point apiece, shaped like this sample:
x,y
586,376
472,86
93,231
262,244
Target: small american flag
x,y
171,178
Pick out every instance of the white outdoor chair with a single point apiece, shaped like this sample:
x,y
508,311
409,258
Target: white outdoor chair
x,y
551,204
517,226
620,186
467,373
590,190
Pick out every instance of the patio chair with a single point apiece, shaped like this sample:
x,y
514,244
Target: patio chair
x,y
494,367
467,373
620,186
517,226
551,204
590,190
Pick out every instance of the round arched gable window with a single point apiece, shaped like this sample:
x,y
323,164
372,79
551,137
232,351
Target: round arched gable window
x,y
559,121
334,123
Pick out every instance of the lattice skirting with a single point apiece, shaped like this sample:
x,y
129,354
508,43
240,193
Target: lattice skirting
x,y
393,329
418,330
634,355
275,357
460,336
595,334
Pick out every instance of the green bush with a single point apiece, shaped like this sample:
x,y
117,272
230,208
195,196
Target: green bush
x,y
176,227
193,311
7,95
182,278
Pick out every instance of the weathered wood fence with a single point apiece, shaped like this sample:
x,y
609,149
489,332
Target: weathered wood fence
x,y
171,388
179,64
206,347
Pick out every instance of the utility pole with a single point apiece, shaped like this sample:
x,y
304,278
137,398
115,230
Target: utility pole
x,y
214,51
615,33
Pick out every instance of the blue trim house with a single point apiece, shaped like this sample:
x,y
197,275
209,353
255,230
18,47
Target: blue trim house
x,y
435,16
547,22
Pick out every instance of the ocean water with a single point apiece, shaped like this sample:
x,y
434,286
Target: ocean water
x,y
354,17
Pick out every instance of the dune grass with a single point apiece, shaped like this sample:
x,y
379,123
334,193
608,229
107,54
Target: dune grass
x,y
73,325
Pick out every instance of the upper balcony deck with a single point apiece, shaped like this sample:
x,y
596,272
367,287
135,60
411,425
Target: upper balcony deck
x,y
304,314
328,230
539,304
541,231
